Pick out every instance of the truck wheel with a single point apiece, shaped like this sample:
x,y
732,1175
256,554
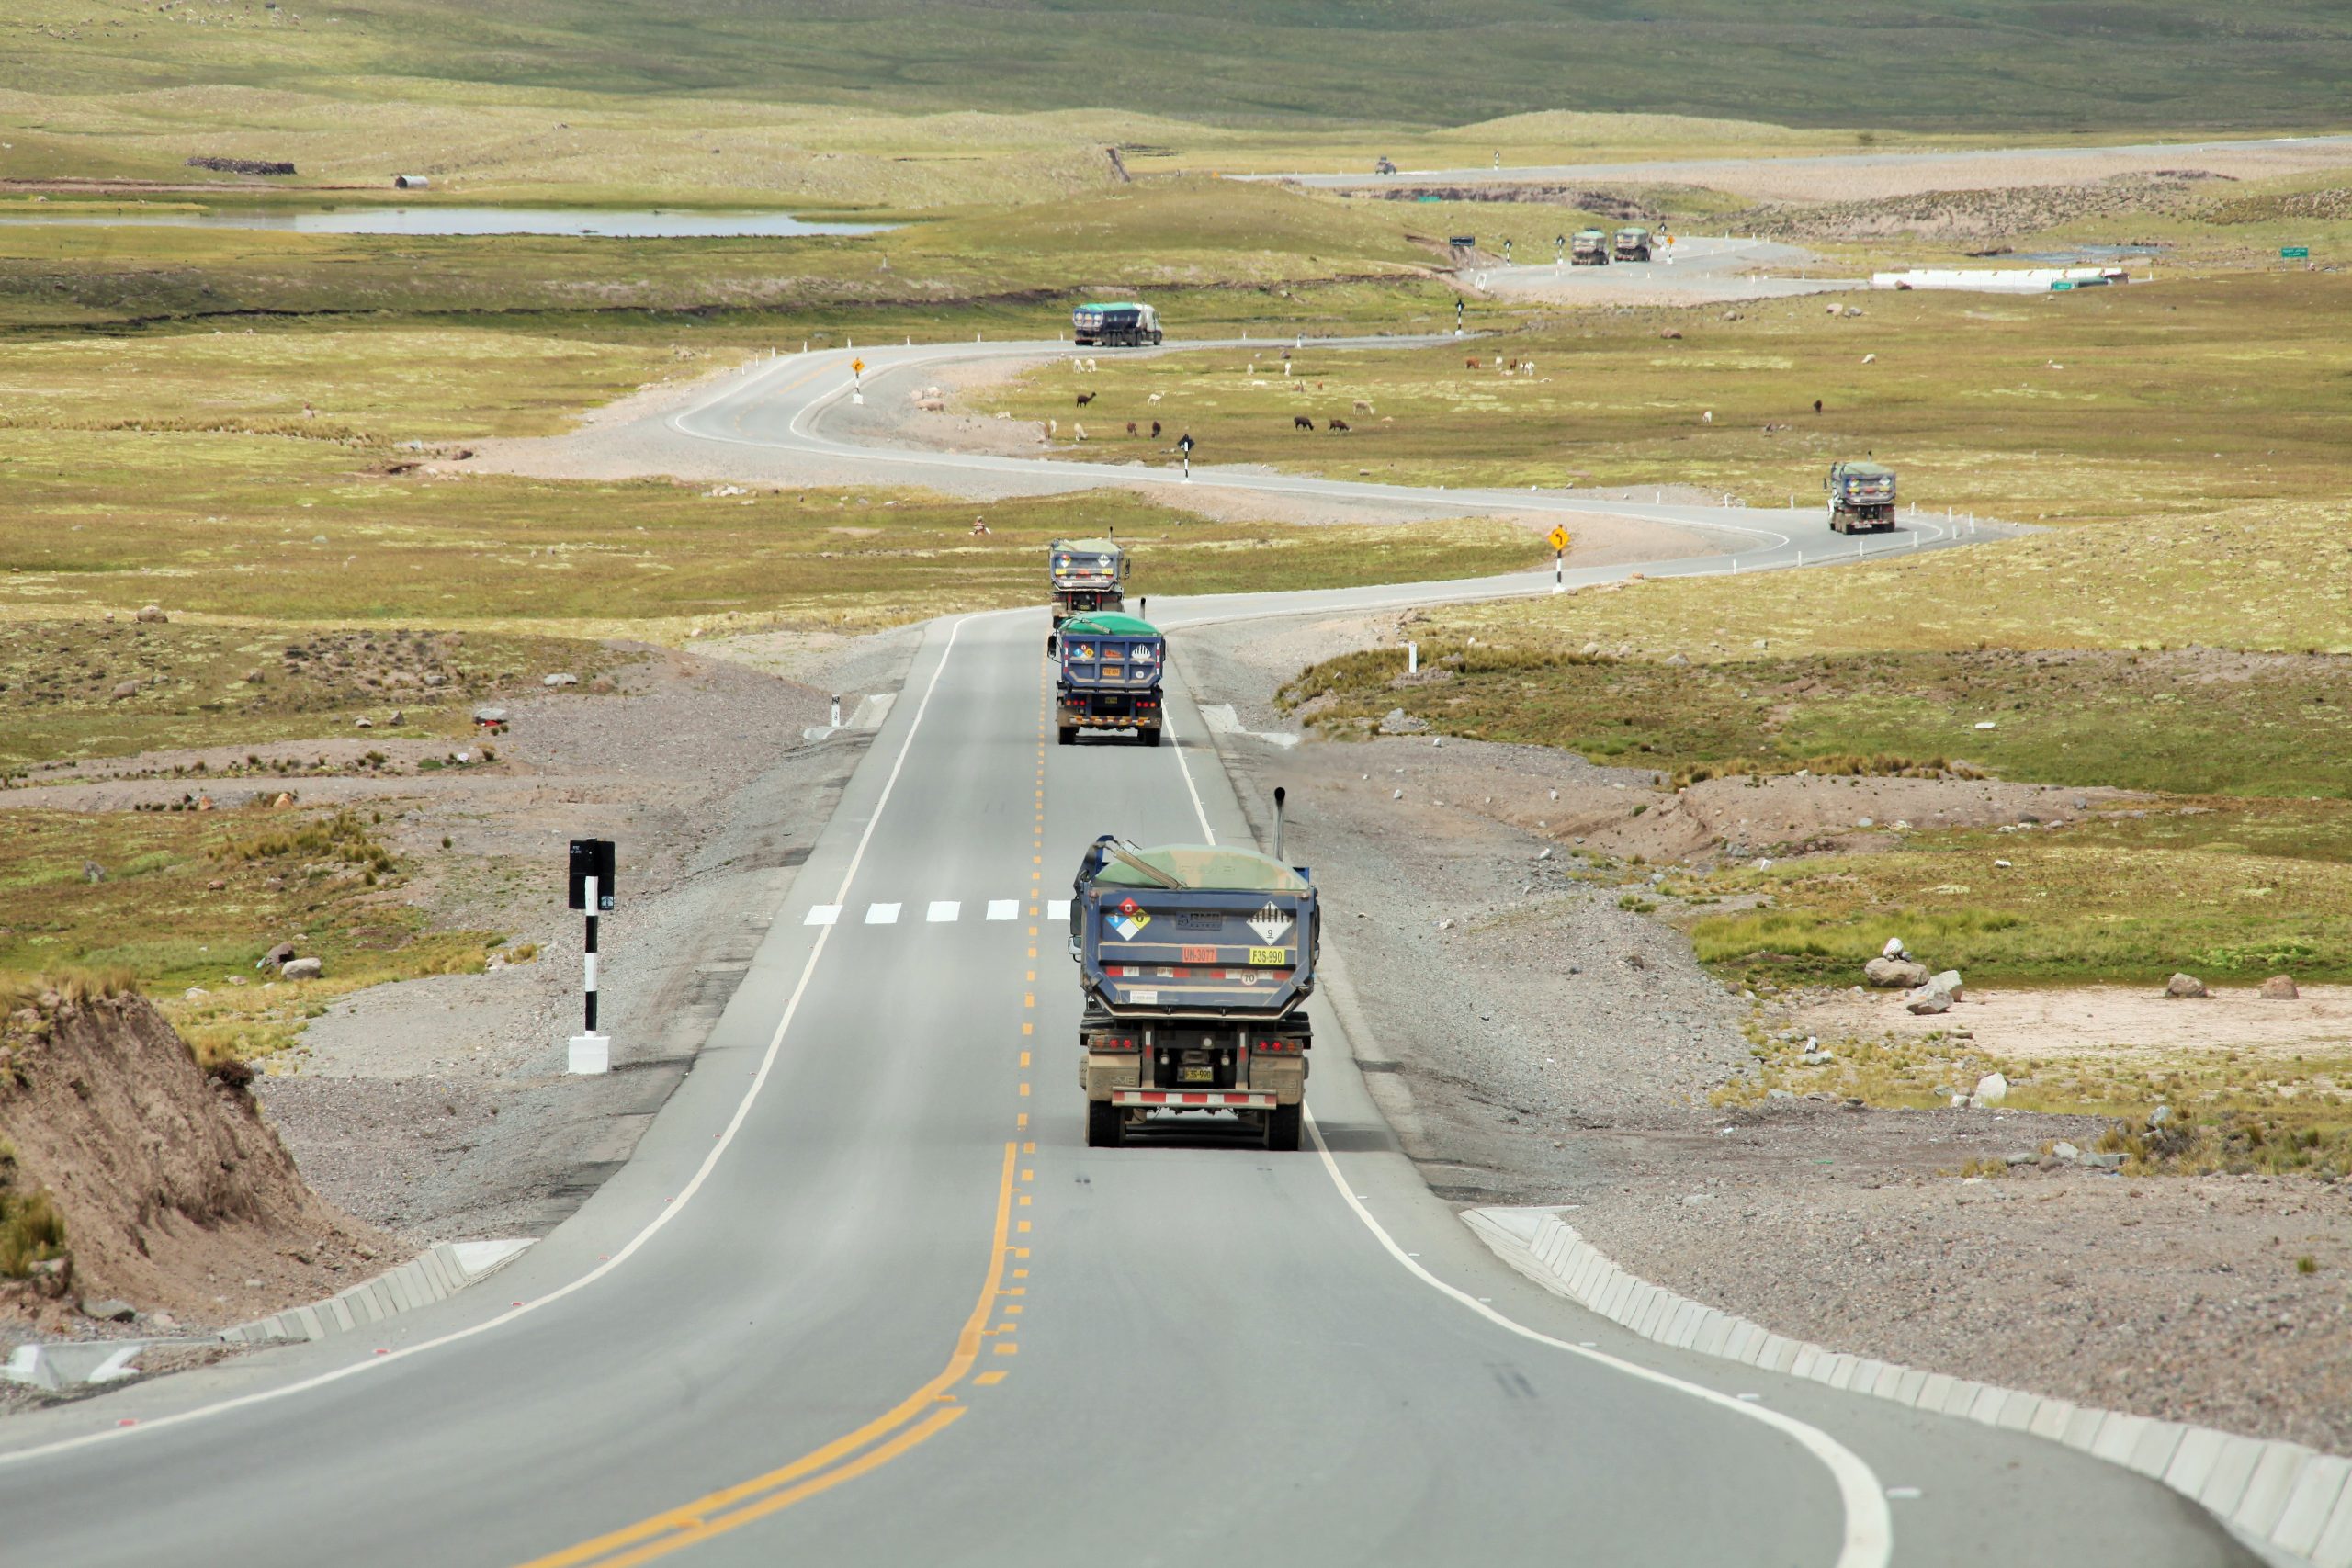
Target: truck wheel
x,y
1156,339
1102,1124
1281,1129
1150,737
1066,736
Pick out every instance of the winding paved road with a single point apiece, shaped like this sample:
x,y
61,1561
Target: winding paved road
x,y
864,1296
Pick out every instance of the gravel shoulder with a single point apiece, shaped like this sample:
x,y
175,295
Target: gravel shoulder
x,y
1534,1043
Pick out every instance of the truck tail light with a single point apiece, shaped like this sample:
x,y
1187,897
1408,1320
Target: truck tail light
x,y
1272,1046
1113,1044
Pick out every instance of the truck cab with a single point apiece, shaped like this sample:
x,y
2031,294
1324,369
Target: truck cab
x,y
1589,247
1108,677
1861,497
1633,245
1197,962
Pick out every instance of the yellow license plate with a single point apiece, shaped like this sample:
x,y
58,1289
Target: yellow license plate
x,y
1196,1075
1270,955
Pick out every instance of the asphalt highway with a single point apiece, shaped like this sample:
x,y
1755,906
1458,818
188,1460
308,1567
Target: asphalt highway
x,y
864,1296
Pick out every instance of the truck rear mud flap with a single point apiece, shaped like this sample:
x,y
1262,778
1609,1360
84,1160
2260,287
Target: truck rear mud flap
x,y
1203,1100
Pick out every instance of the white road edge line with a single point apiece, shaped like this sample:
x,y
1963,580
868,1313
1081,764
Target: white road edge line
x,y
1870,1527
669,1211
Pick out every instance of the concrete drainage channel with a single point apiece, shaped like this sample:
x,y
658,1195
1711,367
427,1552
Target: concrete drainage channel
x,y
2290,1502
438,1272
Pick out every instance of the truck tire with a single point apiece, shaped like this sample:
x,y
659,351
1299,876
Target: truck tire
x,y
1102,1124
1150,737
1281,1129
1156,338
1066,736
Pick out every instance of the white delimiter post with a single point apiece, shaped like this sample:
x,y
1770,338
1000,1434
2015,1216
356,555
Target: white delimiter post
x,y
591,1052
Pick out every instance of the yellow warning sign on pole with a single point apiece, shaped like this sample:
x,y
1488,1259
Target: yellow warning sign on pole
x,y
857,366
1558,537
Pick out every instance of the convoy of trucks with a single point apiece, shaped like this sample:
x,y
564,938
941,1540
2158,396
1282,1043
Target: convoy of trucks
x,y
1861,497
1087,575
1109,678
1589,247
1195,962
1114,326
1633,245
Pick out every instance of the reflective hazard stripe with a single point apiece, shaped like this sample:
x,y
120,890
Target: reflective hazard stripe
x,y
1189,1096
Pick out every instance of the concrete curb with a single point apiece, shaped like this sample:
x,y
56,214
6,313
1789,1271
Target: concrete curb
x,y
2284,1496
439,1271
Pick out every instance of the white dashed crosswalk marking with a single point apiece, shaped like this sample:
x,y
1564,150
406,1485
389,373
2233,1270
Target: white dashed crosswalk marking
x,y
823,915
943,910
882,914
1004,908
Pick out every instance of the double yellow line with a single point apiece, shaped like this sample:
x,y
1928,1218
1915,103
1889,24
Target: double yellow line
x,y
914,1420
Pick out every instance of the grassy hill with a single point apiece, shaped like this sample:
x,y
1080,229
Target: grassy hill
x,y
1980,65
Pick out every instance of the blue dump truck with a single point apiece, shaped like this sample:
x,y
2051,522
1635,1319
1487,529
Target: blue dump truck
x,y
1087,574
1114,326
1197,962
1861,497
1110,677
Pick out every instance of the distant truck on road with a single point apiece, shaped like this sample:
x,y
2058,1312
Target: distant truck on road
x,y
1087,575
1589,247
1109,677
1197,962
1633,245
1861,497
1114,326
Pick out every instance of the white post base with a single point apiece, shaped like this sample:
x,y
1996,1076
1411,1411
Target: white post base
x,y
589,1053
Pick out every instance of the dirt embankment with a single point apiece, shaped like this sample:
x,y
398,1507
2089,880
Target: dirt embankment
x,y
1971,215
175,1196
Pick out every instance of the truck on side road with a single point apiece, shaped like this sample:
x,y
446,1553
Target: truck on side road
x,y
1633,245
1109,677
1087,575
1589,247
1114,326
1197,962
1861,497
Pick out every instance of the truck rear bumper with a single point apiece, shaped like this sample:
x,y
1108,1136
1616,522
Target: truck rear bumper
x,y
1196,1099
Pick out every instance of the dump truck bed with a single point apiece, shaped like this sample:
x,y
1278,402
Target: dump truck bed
x,y
1237,943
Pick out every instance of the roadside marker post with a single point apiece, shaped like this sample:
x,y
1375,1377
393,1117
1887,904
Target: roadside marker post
x,y
1558,539
1457,318
1412,659
857,381
591,885
1185,445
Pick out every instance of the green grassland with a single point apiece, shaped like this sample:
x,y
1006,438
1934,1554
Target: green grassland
x,y
193,900
2003,64
1218,252
2124,402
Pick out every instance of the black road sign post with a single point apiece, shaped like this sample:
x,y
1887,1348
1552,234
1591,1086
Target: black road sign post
x,y
1457,318
591,888
1185,445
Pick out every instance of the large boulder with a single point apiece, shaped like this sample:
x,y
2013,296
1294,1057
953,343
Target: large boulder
x,y
1928,1000
2185,985
303,969
1948,983
1991,1090
1895,974
2280,988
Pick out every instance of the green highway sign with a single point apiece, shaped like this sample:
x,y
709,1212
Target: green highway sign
x,y
2294,253
2061,286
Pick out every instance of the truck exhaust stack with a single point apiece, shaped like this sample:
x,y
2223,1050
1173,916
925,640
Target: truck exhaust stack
x,y
1280,795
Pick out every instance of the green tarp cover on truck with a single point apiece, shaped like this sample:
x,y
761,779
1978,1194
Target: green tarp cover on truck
x,y
1206,867
1865,471
1105,623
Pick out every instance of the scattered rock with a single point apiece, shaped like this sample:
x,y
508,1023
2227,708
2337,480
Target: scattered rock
x,y
106,1309
1949,984
2160,1115
1817,1058
2104,1161
302,969
2065,1151
1991,1090
152,615
194,994
216,886
489,716
92,871
1670,332
1895,974
126,689
363,722
277,957
1894,949
398,717
1400,722
2280,988
559,679
2185,985
1928,1000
